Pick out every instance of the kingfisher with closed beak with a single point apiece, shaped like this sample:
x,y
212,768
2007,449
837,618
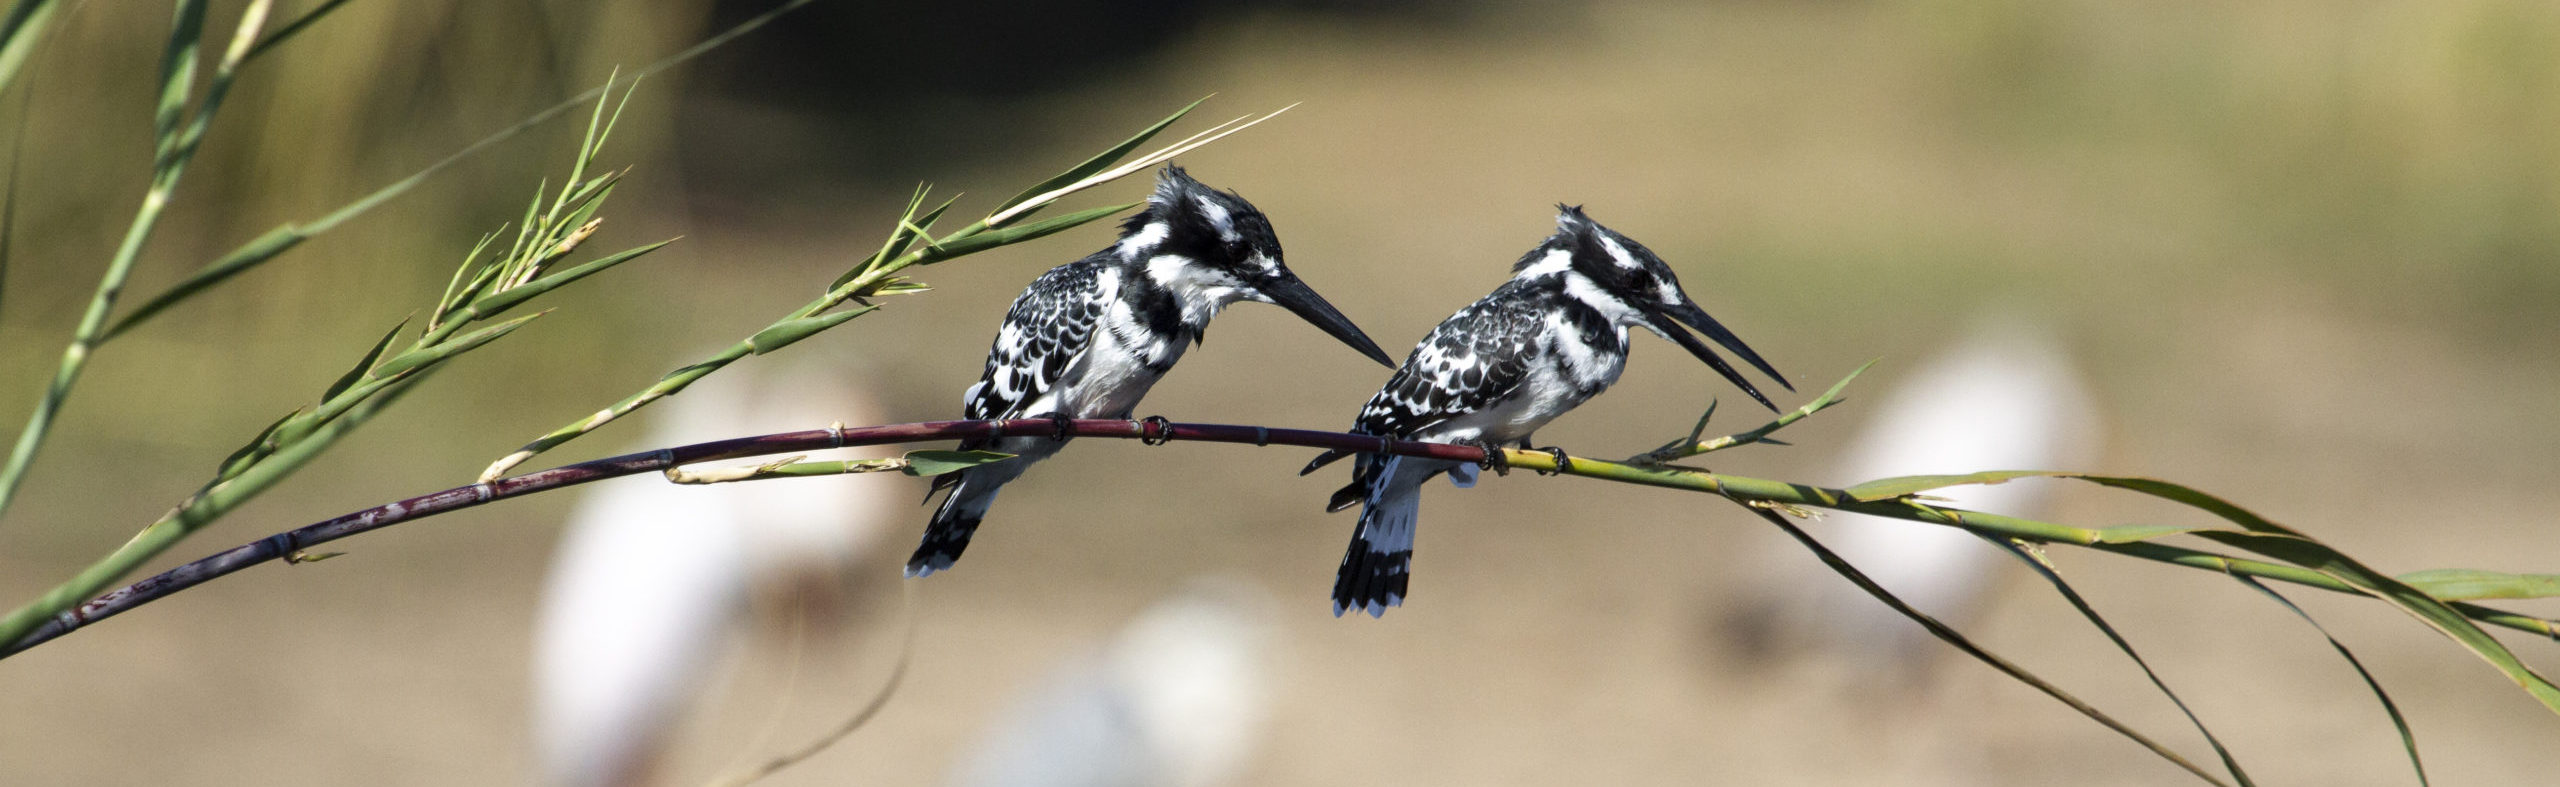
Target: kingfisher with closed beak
x,y
1088,338
1544,342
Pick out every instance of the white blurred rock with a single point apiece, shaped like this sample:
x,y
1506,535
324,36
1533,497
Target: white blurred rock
x,y
1177,699
652,581
2004,398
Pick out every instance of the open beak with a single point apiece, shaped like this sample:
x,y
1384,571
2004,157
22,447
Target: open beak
x,y
1689,313
1299,299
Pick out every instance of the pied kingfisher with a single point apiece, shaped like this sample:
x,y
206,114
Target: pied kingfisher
x,y
1088,338
1544,342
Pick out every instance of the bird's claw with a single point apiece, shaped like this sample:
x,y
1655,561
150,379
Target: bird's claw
x,y
1564,464
1494,459
1061,426
1163,431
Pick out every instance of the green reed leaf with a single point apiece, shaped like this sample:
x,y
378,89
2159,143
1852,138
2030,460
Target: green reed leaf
x,y
1948,634
495,303
446,350
2464,584
2283,543
20,33
289,29
257,447
783,333
933,463
2408,739
972,244
250,255
1099,162
358,373
2035,558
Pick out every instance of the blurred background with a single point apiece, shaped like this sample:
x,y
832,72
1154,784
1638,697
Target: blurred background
x,y
2305,255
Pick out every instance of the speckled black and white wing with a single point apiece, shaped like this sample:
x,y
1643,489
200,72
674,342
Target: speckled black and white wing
x,y
1051,323
1476,358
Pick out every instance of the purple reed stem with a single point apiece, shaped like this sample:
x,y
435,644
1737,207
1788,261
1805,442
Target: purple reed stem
x,y
280,545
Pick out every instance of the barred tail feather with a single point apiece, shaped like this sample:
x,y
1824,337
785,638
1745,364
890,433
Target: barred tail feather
x,y
948,534
1380,560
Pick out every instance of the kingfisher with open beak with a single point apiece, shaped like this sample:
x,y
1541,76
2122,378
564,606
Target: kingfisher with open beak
x,y
1544,342
1088,338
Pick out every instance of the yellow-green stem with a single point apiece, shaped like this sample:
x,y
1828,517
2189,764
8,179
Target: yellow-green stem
x,y
1778,492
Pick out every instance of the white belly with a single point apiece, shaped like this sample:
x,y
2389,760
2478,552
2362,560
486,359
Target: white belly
x,y
1109,379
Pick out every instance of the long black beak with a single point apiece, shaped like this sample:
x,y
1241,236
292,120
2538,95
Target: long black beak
x,y
1688,312
1299,299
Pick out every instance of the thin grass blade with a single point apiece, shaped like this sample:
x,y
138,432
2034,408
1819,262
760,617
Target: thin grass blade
x,y
1221,131
910,227
587,146
2128,534
784,333
257,447
9,204
20,33
240,260
2464,584
178,73
1693,446
446,350
938,462
2035,558
2408,739
1943,632
962,247
493,304
286,32
2267,538
176,154
357,374
2283,543
1902,486
1098,163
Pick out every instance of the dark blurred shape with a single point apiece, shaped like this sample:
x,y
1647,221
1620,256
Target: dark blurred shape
x,y
885,91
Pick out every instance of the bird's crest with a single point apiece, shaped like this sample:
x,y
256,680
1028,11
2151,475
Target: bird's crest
x,y
1575,235
1183,203
1569,218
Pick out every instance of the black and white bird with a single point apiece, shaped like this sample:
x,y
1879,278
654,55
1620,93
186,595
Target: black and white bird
x,y
1088,338
1544,342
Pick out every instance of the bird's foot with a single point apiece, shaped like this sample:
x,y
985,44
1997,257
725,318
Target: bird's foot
x,y
1163,430
1494,459
1564,464
1061,425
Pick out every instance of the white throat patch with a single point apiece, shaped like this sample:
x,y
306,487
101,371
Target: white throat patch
x,y
1146,237
1200,289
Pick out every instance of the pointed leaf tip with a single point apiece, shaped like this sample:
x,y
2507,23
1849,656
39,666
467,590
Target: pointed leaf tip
x,y
932,463
1099,161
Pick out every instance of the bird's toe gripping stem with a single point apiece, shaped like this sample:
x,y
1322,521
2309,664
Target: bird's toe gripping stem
x,y
1564,464
1163,430
1061,426
1494,459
